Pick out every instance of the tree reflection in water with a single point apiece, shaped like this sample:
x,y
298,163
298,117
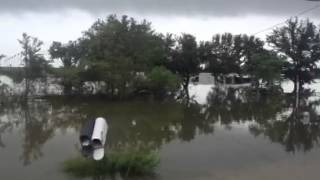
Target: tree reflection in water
x,y
136,124
36,121
272,114
147,125
298,129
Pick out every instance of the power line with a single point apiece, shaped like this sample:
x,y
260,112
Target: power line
x,y
297,15
269,28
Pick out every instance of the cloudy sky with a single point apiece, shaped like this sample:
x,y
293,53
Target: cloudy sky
x,y
63,20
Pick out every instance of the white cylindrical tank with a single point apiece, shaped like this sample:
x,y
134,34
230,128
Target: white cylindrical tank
x,y
86,133
99,134
99,137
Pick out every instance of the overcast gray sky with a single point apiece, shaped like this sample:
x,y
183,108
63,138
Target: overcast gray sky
x,y
64,20
161,7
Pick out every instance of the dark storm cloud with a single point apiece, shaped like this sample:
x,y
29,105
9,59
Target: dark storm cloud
x,y
163,7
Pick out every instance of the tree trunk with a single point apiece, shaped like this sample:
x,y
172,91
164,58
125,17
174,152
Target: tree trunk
x,y
186,86
296,82
67,89
27,88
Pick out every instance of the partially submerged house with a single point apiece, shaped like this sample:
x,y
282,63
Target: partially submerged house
x,y
229,79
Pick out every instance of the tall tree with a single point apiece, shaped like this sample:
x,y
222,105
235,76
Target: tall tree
x,y
185,61
118,50
265,68
35,65
300,42
230,53
69,55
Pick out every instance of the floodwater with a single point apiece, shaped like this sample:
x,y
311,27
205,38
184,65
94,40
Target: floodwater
x,y
224,133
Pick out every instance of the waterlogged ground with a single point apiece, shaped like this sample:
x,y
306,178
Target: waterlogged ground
x,y
225,134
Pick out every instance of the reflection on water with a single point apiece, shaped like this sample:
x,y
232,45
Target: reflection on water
x,y
271,114
194,140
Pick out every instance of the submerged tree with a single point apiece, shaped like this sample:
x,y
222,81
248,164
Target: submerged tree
x,y
35,65
185,61
162,81
120,51
300,42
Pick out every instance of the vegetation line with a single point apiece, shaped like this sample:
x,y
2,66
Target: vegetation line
x,y
121,58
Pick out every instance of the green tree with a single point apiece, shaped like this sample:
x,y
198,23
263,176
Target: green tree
x,y
265,68
69,55
35,65
185,61
299,41
118,50
162,81
229,53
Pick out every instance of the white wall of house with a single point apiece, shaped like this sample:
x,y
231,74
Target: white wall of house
x,y
6,80
206,78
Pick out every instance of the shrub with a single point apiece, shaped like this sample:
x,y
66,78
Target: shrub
x,y
126,163
162,81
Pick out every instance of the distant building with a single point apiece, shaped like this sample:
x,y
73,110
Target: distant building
x,y
234,78
229,79
205,78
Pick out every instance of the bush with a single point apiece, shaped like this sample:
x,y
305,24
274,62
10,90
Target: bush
x,y
266,68
126,163
162,81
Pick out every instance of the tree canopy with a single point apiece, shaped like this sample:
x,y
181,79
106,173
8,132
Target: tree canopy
x,y
35,65
120,57
299,40
228,53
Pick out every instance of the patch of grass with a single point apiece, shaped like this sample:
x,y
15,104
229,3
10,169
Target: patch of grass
x,y
125,163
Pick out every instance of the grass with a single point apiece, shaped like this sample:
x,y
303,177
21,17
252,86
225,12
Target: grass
x,y
125,163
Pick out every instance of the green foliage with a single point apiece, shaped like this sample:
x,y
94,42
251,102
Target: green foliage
x,y
126,38
265,67
185,60
136,163
35,65
70,79
123,41
121,57
114,51
227,53
69,54
70,73
161,81
299,41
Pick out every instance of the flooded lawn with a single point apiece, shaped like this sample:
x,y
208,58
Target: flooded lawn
x,y
229,134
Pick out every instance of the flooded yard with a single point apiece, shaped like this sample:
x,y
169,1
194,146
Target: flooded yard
x,y
224,134
160,90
